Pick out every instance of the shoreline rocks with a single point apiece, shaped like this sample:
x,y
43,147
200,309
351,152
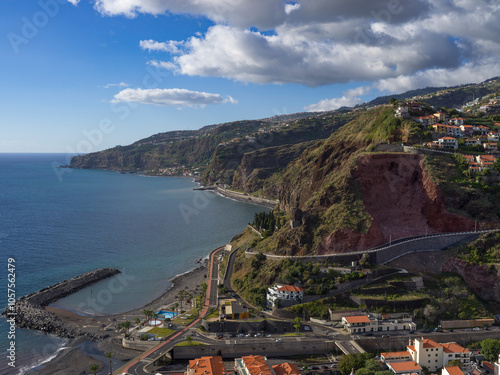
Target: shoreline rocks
x,y
29,312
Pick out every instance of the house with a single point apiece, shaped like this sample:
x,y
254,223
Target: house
x,y
440,128
490,146
451,370
441,116
395,357
252,365
286,369
483,130
472,142
448,142
429,353
402,112
284,292
493,137
366,323
409,367
231,309
467,130
206,366
457,121
453,131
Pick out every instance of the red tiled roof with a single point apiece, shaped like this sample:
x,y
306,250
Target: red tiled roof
x,y
395,354
405,366
257,365
286,369
207,366
357,319
290,288
454,370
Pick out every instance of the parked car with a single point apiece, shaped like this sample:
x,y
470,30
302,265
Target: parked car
x,y
279,340
269,335
385,336
241,335
219,337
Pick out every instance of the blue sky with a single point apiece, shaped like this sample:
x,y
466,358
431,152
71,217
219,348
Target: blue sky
x,y
113,71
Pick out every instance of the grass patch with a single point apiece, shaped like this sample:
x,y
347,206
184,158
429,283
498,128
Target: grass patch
x,y
161,332
293,334
190,343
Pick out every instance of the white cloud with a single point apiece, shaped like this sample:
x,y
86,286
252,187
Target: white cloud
x,y
74,2
349,99
171,97
322,42
121,84
171,46
243,13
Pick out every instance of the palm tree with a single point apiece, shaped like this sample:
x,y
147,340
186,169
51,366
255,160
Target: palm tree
x,y
296,323
109,355
176,306
137,321
126,325
94,368
181,295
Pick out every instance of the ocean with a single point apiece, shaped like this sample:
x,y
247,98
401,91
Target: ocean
x,y
57,223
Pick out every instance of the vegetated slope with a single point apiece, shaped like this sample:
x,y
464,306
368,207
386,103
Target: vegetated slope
x,y
167,149
227,158
260,172
341,198
449,97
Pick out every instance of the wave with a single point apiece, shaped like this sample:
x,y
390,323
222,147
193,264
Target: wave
x,y
41,361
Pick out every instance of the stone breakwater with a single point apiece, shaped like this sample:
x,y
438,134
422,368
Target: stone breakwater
x,y
29,310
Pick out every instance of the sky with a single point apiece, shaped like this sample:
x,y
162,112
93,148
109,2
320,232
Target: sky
x,y
79,76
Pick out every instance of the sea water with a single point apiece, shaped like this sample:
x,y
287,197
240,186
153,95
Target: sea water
x,y
57,223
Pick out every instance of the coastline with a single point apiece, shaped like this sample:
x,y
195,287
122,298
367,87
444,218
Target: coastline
x,y
75,359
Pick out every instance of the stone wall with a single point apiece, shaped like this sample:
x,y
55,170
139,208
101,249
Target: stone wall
x,y
267,347
266,325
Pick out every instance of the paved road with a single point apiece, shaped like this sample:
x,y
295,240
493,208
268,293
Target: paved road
x,y
137,365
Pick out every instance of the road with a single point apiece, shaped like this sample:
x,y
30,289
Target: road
x,y
137,365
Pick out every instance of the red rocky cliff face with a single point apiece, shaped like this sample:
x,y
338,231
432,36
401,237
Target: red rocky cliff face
x,y
403,201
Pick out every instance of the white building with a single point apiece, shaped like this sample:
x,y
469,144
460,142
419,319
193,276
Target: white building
x,y
433,355
448,142
365,323
284,292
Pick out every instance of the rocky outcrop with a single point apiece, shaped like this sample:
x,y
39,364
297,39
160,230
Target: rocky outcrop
x,y
261,170
28,311
479,278
402,200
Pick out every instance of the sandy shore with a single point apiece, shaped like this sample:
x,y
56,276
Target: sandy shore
x,y
75,360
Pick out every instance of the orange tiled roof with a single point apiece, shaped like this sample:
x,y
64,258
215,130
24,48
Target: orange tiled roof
x,y
395,354
207,366
357,319
286,369
257,365
290,288
405,366
454,370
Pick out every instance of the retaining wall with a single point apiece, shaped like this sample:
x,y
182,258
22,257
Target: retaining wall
x,y
267,347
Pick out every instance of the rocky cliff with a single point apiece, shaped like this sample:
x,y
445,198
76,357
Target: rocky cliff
x,y
261,171
343,197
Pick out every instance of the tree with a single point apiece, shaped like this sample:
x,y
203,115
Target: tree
x,y
176,306
126,325
455,362
496,166
181,295
490,349
393,101
109,355
352,361
296,323
137,321
189,339
93,368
